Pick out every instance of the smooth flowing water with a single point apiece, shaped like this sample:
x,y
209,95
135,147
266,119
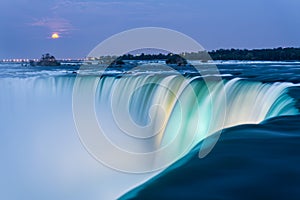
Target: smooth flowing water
x,y
43,157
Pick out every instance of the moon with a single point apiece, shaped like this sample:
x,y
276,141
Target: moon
x,y
54,36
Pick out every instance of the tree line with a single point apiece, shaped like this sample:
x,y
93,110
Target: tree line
x,y
276,54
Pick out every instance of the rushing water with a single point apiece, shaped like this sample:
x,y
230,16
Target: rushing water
x,y
43,157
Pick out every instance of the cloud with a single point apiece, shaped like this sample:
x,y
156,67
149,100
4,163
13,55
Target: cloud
x,y
59,25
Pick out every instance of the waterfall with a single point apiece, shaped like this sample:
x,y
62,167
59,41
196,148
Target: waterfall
x,y
149,122
175,114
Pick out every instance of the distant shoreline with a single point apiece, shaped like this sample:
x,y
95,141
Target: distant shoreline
x,y
275,54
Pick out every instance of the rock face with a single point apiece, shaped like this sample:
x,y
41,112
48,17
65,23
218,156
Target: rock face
x,y
46,60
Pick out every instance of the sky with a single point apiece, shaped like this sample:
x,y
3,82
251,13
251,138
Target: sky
x,y
27,25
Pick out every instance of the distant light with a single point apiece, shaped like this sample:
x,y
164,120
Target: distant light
x,y
55,36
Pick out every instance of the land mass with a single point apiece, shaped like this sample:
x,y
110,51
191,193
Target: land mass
x,y
276,54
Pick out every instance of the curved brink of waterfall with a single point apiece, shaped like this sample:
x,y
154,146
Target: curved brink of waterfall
x,y
185,114
247,103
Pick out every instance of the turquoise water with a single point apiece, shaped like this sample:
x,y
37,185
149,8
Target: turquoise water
x,y
249,161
